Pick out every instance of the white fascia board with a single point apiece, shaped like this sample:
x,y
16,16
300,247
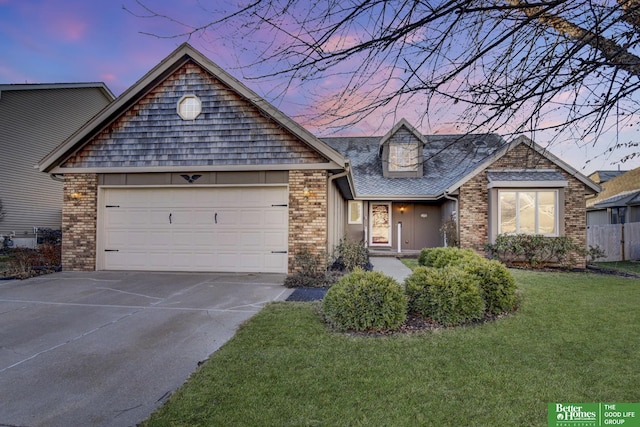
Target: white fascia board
x,y
196,168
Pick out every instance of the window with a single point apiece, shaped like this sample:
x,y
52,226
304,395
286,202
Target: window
x,y
355,212
528,212
618,215
189,107
403,157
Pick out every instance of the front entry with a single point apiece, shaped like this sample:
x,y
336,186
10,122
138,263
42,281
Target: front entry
x,y
380,224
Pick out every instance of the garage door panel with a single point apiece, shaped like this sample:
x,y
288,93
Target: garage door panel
x,y
196,229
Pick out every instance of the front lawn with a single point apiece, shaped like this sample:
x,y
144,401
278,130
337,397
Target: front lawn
x,y
632,267
574,339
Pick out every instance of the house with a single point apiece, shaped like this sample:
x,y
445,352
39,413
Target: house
x,y
34,119
191,170
602,176
619,201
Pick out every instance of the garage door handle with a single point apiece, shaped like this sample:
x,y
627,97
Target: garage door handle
x,y
278,252
111,250
170,218
215,217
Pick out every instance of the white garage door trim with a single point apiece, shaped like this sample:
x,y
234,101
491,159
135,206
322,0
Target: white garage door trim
x,y
230,228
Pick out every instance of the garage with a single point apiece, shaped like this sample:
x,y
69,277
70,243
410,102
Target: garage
x,y
217,229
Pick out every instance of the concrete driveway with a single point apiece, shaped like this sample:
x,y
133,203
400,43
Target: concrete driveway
x,y
108,348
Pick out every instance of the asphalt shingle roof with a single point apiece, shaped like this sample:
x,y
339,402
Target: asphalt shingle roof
x,y
530,175
447,159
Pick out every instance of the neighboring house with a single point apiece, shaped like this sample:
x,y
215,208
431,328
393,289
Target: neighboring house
x,y
619,201
34,119
602,176
190,170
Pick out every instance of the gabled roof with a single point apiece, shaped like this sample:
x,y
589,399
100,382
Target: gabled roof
x,y
600,177
449,162
621,185
402,123
48,86
157,75
591,186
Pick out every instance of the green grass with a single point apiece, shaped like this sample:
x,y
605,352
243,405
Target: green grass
x,y
574,339
624,266
412,263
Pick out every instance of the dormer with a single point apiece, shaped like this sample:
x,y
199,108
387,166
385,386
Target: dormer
x,y
401,152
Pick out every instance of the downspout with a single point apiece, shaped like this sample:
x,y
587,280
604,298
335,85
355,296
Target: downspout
x,y
329,199
456,201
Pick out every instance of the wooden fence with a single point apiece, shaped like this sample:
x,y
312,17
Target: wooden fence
x,y
620,242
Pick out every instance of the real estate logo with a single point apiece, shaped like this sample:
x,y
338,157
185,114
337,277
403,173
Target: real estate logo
x,y
574,414
593,414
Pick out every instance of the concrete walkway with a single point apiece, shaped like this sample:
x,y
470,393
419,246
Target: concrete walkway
x,y
392,267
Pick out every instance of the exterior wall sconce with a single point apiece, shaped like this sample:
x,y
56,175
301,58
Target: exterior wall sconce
x,y
76,196
305,192
402,209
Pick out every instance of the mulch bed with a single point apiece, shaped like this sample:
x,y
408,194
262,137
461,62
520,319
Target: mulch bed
x,y
307,294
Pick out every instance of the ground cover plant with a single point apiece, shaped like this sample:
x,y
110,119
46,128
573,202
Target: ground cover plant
x,y
574,339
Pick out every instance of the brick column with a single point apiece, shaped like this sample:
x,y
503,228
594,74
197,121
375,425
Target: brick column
x,y
79,219
307,214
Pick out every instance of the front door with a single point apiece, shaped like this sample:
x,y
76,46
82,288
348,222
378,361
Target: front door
x,y
380,224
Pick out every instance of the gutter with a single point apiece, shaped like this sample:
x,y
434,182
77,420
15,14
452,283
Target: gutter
x,y
329,203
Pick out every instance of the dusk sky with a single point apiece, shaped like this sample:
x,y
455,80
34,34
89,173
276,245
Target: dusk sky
x,y
61,41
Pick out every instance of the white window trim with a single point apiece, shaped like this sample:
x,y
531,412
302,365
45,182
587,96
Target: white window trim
x,y
537,223
351,205
371,243
183,99
396,166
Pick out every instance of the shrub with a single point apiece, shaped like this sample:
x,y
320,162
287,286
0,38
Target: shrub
x,y
351,255
497,285
536,250
441,257
447,295
311,271
365,301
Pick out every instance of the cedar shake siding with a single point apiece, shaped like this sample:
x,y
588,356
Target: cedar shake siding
x,y
229,131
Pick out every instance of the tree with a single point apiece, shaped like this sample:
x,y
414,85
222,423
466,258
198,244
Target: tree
x,y
569,67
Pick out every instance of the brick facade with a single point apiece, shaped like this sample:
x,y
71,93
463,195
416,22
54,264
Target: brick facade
x,y
79,216
474,201
307,214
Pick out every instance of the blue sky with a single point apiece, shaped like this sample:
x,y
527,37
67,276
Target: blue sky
x,y
55,41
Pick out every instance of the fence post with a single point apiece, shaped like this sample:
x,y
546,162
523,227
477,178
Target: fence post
x,y
622,242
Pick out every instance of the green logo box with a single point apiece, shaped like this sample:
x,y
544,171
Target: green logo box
x,y
593,414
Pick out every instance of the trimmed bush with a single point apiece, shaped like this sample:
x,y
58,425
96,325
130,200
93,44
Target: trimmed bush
x,y
449,295
441,257
365,301
351,255
496,283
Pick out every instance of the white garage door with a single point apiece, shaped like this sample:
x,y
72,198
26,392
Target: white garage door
x,y
235,229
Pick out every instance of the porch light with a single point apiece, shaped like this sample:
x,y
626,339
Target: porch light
x,y
402,209
76,196
305,192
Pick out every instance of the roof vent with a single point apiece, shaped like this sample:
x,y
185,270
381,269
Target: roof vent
x,y
480,143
